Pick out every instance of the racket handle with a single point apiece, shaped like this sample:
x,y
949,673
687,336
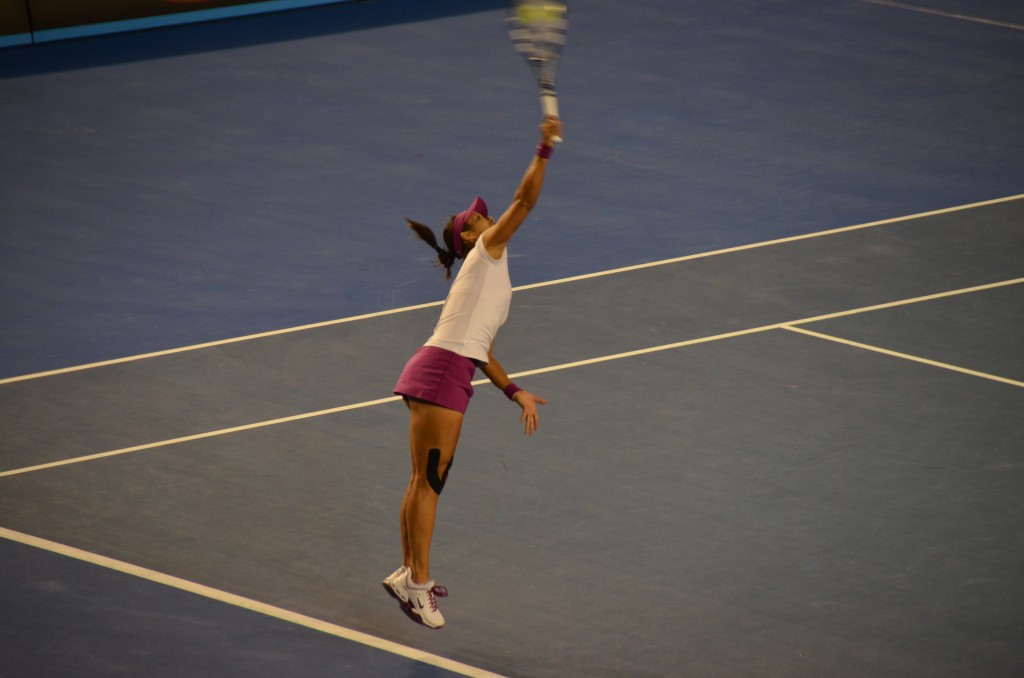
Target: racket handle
x,y
549,104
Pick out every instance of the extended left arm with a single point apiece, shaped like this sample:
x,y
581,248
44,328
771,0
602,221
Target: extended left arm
x,y
526,400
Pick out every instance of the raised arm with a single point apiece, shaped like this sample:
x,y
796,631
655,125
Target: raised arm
x,y
498,236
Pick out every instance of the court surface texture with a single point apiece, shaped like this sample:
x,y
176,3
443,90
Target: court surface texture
x,y
773,293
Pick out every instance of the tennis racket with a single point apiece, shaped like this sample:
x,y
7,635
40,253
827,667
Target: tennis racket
x,y
538,29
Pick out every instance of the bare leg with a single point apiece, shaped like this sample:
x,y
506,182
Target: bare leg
x,y
403,528
430,428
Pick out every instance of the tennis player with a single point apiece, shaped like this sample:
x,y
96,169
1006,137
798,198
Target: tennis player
x,y
435,383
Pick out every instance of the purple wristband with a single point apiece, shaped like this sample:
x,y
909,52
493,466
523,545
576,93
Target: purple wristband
x,y
511,390
544,151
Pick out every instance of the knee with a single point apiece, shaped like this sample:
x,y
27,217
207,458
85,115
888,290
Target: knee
x,y
431,473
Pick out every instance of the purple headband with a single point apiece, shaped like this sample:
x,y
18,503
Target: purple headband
x,y
478,206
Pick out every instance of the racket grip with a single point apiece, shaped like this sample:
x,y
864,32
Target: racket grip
x,y
549,104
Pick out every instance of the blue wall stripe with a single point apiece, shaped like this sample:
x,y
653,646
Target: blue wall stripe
x,y
175,19
15,39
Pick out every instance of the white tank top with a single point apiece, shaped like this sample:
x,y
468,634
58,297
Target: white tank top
x,y
477,305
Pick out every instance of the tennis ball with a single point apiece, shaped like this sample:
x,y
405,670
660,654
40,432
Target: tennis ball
x,y
539,13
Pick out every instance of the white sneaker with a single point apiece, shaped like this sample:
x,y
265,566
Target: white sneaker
x,y
422,605
396,583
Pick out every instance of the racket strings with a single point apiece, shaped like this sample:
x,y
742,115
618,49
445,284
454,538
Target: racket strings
x,y
530,38
538,30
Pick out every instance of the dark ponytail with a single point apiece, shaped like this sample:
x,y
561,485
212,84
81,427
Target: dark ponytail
x,y
445,256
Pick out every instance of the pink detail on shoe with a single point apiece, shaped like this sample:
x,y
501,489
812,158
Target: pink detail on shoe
x,y
440,592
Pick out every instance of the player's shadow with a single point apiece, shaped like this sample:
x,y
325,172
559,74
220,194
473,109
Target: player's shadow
x,y
157,43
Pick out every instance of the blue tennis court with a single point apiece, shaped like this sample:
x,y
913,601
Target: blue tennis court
x,y
773,292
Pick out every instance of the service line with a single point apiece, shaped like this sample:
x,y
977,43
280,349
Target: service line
x,y
904,356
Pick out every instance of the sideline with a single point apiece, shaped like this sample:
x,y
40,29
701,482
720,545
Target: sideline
x,y
949,15
785,325
587,276
247,604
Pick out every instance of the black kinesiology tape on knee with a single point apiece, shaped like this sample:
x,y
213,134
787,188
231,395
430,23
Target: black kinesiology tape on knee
x,y
433,463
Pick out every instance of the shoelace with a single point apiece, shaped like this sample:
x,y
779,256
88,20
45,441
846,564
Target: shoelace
x,y
440,592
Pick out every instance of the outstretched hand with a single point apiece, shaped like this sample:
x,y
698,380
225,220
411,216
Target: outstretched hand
x,y
529,402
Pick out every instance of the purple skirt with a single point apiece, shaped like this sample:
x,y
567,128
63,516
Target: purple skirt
x,y
439,377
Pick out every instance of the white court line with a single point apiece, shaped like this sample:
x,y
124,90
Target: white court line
x,y
586,276
199,436
247,604
526,373
904,356
951,15
211,344
769,243
775,326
